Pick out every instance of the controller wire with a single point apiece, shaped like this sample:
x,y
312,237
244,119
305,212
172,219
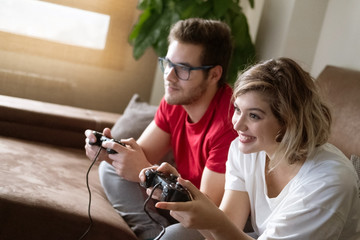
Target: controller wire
x,y
89,190
147,213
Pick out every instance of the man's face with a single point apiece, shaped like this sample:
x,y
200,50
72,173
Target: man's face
x,y
184,92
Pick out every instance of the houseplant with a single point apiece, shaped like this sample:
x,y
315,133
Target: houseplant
x,y
153,25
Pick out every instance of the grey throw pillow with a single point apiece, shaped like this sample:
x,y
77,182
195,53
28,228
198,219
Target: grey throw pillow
x,y
136,117
356,163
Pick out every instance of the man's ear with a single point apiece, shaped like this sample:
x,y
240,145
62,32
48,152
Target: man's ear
x,y
215,74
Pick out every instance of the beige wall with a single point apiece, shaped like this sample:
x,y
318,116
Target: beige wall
x,y
96,79
339,41
290,28
315,33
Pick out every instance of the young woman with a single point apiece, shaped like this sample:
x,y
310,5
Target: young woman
x,y
280,171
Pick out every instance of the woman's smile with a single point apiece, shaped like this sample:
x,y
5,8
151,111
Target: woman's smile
x,y
246,138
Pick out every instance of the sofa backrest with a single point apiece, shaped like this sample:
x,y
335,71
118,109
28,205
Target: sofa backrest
x,y
341,89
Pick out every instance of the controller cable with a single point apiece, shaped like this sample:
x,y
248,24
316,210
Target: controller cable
x,y
145,203
147,213
88,187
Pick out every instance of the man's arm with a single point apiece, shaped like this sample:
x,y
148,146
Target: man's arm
x,y
137,155
154,142
212,184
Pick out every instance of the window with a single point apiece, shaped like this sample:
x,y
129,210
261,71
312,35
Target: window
x,y
54,22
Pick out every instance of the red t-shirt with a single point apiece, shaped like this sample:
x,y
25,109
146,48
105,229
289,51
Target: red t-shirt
x,y
205,143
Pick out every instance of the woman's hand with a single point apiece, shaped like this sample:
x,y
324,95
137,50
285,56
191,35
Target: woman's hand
x,y
165,168
200,213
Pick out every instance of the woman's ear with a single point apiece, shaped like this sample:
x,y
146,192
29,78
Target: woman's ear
x,y
215,74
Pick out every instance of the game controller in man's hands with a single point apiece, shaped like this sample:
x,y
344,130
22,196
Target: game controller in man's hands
x,y
172,191
101,138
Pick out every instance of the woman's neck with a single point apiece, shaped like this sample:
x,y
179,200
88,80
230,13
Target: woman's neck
x,y
279,174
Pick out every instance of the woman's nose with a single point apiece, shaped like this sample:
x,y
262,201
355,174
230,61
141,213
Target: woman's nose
x,y
239,123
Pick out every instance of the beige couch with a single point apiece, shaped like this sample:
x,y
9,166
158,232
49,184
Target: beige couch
x,y
341,88
43,193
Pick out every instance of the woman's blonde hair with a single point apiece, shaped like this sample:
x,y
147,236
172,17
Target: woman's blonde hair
x,y
294,101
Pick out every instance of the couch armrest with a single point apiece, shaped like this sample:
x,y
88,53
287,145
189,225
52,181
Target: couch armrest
x,y
50,123
340,87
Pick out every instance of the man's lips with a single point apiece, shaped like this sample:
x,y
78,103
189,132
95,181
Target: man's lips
x,y
171,88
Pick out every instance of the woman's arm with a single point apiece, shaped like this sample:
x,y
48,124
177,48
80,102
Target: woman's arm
x,y
202,214
236,206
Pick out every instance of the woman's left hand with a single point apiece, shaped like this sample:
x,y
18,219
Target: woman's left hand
x,y
165,168
199,213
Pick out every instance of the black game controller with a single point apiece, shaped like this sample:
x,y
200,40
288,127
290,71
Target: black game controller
x,y
101,138
172,191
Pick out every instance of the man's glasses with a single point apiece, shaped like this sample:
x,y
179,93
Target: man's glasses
x,y
181,71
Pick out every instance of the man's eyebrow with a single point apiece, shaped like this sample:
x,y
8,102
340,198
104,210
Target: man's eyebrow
x,y
180,63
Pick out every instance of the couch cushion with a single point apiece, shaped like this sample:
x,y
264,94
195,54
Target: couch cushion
x,y
134,120
340,88
136,117
50,123
356,163
43,194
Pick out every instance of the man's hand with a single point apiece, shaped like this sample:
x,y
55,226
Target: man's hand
x,y
129,160
91,150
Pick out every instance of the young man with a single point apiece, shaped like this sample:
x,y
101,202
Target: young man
x,y
193,119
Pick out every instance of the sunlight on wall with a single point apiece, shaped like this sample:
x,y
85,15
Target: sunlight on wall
x,y
54,22
51,71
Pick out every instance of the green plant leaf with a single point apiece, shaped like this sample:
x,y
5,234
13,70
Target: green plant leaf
x,y
145,37
138,26
188,9
143,4
241,31
220,7
252,3
157,5
156,27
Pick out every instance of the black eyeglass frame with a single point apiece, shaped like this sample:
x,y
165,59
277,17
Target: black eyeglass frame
x,y
189,69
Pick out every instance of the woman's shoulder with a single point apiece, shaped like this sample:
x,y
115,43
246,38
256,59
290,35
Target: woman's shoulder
x,y
330,168
328,156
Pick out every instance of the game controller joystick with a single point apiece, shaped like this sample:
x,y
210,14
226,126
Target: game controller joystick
x,y
101,138
172,191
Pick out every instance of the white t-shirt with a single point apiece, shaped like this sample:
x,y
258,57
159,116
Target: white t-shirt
x,y
320,202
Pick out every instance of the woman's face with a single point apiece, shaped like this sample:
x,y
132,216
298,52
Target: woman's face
x,y
255,123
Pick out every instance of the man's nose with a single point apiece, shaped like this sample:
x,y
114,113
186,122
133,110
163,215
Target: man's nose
x,y
169,74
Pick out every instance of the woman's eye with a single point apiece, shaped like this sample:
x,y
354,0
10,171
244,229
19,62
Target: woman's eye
x,y
254,116
236,109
